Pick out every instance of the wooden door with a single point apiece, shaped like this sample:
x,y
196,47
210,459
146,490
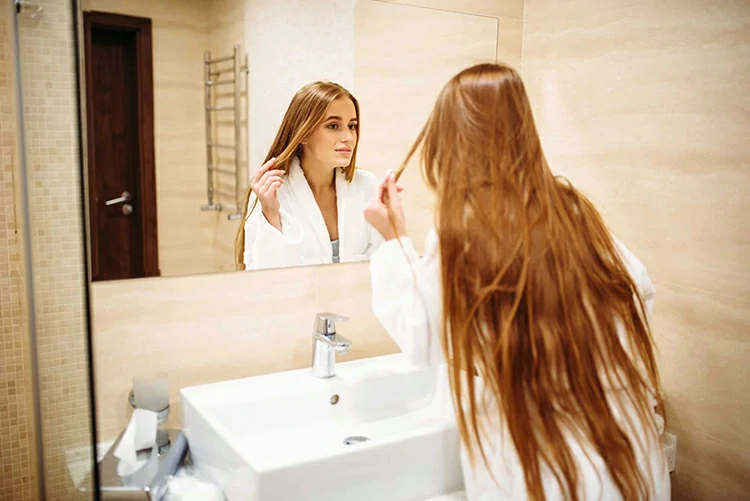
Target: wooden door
x,y
121,179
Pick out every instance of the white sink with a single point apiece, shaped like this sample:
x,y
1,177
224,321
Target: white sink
x,y
279,437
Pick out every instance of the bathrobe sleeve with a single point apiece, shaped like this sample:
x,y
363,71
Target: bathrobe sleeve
x,y
374,241
646,289
267,247
640,276
407,297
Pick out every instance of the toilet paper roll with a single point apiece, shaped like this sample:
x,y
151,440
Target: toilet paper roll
x,y
140,435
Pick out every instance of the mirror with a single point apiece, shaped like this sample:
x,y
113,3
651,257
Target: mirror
x,y
184,101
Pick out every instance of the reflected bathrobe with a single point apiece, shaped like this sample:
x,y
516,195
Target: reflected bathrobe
x,y
304,238
412,312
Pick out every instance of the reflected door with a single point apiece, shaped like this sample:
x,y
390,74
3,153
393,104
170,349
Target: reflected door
x,y
119,99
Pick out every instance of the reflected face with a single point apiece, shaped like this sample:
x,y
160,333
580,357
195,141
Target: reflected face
x,y
332,142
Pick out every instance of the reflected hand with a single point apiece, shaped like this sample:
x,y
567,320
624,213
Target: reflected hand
x,y
265,184
384,210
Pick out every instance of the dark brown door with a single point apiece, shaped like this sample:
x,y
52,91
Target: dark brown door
x,y
119,99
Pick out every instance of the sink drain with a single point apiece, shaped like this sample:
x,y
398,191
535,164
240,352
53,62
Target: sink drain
x,y
355,440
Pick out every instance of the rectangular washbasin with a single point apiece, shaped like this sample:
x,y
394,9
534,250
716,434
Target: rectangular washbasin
x,y
379,431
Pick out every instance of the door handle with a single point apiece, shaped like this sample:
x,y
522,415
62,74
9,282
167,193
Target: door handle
x,y
124,198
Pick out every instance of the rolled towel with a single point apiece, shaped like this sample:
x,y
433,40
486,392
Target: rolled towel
x,y
187,486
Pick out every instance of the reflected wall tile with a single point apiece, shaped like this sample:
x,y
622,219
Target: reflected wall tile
x,y
226,29
398,74
491,8
510,42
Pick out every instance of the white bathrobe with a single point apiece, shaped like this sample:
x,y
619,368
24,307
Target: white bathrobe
x,y
411,313
304,238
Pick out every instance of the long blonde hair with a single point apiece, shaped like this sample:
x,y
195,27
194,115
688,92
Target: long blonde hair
x,y
306,111
533,292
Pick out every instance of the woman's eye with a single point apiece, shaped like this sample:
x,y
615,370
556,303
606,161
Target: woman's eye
x,y
333,126
352,126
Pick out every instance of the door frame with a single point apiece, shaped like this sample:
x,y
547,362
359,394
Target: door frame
x,y
146,202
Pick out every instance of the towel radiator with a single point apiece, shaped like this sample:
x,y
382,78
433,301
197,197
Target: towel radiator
x,y
215,73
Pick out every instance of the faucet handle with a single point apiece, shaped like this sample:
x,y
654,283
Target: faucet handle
x,y
325,323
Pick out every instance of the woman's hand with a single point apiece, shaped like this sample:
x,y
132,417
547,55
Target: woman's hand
x,y
264,184
384,210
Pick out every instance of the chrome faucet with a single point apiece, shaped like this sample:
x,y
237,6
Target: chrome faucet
x,y
326,343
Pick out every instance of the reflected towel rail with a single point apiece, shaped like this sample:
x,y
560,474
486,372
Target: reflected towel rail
x,y
224,193
220,60
216,73
223,171
223,82
212,79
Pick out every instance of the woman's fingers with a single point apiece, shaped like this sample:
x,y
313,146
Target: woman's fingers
x,y
263,168
392,190
271,193
270,173
268,181
375,205
381,188
266,166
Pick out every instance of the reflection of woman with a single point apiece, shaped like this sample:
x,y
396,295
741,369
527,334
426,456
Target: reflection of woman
x,y
541,312
305,204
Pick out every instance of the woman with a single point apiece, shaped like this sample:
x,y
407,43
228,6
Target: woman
x,y
305,204
541,314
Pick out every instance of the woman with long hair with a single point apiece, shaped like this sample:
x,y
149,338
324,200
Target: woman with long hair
x,y
541,315
304,205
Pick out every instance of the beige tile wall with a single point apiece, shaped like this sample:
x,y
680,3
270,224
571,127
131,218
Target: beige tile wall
x,y
190,241
18,481
53,173
644,105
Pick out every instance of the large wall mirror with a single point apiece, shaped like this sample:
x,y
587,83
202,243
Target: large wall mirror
x,y
184,102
